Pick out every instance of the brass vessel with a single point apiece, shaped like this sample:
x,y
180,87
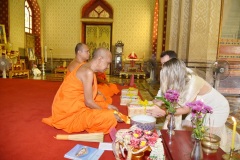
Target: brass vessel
x,y
210,143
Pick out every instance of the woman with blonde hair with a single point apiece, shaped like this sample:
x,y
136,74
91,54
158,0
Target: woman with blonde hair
x,y
191,87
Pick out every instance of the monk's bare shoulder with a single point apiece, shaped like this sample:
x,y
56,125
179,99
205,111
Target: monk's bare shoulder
x,y
72,66
85,73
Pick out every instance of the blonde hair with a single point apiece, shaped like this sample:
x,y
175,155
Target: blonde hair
x,y
173,76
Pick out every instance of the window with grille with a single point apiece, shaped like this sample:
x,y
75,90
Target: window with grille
x,y
28,18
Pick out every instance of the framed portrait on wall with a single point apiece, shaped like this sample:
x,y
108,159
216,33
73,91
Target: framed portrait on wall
x,y
3,39
31,54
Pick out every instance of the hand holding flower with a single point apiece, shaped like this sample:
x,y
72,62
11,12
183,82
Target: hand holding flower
x,y
170,99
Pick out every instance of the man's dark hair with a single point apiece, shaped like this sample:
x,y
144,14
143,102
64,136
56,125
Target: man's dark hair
x,y
170,53
78,47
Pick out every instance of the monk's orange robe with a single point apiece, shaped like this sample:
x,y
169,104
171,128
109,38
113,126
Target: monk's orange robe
x,y
108,90
70,113
100,97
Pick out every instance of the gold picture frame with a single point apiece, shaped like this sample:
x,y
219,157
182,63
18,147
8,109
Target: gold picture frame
x,y
3,38
31,54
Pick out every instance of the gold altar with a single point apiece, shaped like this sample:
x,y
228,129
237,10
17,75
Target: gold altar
x,y
132,67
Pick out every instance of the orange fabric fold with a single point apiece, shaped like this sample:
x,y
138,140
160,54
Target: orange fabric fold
x,y
70,113
107,89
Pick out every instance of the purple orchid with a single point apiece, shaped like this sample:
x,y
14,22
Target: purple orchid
x,y
199,111
199,107
171,96
170,100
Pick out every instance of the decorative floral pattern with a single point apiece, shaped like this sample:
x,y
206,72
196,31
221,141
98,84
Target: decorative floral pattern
x,y
157,152
140,138
135,140
199,111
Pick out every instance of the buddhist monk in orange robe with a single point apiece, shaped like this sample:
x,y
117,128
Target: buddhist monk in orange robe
x,y
75,107
81,55
106,88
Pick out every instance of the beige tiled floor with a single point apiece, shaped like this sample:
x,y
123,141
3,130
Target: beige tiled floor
x,y
148,90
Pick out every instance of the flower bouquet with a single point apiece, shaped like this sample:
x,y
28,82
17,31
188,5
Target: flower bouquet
x,y
140,138
170,99
137,141
199,111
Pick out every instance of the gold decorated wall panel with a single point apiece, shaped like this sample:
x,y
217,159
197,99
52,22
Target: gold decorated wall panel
x,y
16,24
193,29
214,15
133,21
132,25
173,23
61,25
199,31
98,36
184,29
204,31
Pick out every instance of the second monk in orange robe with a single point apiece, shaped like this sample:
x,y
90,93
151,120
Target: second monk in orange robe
x,y
106,88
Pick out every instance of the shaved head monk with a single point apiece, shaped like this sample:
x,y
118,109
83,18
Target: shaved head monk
x,y
81,55
77,106
105,89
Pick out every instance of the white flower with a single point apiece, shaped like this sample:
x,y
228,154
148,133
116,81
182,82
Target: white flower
x,y
157,152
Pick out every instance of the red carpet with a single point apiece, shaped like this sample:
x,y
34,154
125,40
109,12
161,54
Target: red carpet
x,y
23,136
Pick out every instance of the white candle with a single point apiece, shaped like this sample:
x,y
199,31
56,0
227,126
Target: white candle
x,y
45,52
42,56
234,132
64,64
